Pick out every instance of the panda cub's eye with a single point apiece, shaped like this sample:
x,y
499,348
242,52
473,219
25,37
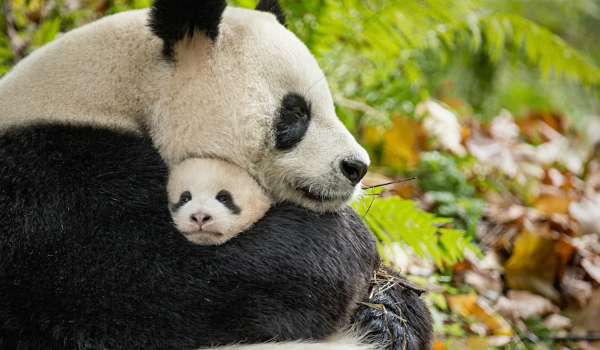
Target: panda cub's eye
x,y
185,197
224,196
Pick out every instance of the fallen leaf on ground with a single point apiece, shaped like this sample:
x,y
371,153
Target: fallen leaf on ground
x,y
469,305
442,123
499,340
587,319
533,265
557,322
530,305
591,265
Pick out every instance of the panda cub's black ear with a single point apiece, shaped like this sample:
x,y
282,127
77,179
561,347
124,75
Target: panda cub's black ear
x,y
173,20
274,7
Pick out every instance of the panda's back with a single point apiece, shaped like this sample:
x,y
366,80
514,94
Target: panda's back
x,y
88,76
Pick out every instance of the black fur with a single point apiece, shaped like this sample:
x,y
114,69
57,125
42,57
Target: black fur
x,y
227,200
274,7
173,20
380,324
90,260
184,198
292,121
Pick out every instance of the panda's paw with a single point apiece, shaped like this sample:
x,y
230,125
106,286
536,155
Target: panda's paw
x,y
393,315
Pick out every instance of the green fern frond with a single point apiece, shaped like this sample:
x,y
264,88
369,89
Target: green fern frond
x,y
546,49
395,219
387,35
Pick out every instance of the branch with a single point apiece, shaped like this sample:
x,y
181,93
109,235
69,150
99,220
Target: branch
x,y
359,106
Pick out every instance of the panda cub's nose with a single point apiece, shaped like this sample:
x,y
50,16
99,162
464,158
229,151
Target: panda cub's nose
x,y
200,219
354,170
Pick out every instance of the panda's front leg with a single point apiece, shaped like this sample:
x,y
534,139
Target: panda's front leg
x,y
393,314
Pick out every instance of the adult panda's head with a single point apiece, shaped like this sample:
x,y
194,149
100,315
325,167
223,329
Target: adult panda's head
x,y
243,88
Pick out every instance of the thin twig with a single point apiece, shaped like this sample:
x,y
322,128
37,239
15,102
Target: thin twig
x,y
367,211
574,337
389,183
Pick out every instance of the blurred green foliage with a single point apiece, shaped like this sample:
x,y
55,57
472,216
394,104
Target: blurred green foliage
x,y
440,176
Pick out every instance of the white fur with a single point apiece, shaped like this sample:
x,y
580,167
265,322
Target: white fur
x,y
204,179
340,341
217,100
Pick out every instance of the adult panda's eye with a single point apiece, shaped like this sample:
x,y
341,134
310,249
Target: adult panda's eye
x,y
292,121
299,113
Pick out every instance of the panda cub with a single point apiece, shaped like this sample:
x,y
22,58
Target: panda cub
x,y
211,200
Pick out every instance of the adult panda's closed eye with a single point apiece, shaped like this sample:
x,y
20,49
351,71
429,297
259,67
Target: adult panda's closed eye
x,y
321,186
292,121
291,125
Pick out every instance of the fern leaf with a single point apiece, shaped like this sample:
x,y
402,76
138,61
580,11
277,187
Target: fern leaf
x,y
397,220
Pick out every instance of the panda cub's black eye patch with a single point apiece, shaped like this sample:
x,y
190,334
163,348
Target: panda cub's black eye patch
x,y
292,121
227,200
185,197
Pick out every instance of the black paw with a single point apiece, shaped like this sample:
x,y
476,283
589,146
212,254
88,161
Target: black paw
x,y
394,315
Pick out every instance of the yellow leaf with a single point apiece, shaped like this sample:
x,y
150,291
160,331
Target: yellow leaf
x,y
476,343
552,203
533,265
403,143
438,345
468,305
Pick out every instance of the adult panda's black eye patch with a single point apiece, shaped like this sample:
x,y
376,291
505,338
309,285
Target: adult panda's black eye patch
x,y
292,121
185,197
225,198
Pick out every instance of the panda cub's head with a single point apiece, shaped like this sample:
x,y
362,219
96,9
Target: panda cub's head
x,y
211,201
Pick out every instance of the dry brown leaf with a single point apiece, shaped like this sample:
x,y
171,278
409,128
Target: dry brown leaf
x,y
533,266
589,345
505,214
490,151
586,212
587,319
591,265
530,305
552,203
442,124
469,305
476,343
557,322
402,143
499,340
508,309
574,287
482,274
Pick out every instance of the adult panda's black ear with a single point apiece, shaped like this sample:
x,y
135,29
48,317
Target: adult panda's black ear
x,y
274,7
173,20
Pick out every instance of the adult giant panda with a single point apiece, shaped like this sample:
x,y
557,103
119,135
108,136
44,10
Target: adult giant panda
x,y
89,125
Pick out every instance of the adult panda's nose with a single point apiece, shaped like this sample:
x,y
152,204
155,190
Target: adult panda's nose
x,y
354,170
